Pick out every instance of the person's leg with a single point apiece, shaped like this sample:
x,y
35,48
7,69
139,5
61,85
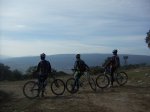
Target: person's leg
x,y
39,84
76,83
44,84
78,79
112,76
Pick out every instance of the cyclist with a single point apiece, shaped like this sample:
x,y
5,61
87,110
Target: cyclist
x,y
81,67
113,64
43,69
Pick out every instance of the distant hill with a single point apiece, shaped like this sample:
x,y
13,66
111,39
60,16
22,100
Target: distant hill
x,y
64,62
3,57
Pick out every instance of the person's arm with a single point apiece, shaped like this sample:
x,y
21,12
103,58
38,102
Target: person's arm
x,y
118,61
87,66
75,65
109,62
49,69
38,67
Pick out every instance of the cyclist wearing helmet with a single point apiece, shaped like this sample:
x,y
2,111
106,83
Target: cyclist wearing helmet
x,y
43,69
113,64
81,67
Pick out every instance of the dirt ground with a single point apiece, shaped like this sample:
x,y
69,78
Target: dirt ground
x,y
129,98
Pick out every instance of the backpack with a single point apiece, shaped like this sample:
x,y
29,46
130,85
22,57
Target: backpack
x,y
81,65
45,66
116,61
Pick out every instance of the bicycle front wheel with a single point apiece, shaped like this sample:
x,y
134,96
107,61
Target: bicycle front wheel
x,y
121,78
102,81
58,87
30,89
70,86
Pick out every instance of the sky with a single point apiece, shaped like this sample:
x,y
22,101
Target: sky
x,y
31,27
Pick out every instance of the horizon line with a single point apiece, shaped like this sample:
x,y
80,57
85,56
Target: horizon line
x,y
7,57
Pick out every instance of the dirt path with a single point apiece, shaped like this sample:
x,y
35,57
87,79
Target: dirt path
x,y
129,98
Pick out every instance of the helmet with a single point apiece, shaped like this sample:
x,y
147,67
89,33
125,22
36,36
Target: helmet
x,y
78,56
42,56
115,51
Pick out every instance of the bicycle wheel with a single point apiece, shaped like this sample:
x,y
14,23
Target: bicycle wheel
x,y
92,84
121,78
102,81
30,89
70,86
58,87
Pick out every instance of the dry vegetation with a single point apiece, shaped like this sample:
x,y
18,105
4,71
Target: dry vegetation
x,y
133,97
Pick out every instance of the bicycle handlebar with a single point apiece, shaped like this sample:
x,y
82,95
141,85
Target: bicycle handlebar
x,y
74,70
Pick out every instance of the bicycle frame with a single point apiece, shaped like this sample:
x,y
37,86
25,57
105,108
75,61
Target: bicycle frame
x,y
108,71
85,77
86,74
71,84
116,74
48,80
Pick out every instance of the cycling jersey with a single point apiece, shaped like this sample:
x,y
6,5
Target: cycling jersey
x,y
115,61
44,67
80,65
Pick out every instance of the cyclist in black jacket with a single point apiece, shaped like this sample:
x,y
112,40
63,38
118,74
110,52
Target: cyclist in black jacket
x,y
81,67
43,69
113,64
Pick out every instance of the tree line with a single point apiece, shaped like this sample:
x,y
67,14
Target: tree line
x,y
7,74
12,75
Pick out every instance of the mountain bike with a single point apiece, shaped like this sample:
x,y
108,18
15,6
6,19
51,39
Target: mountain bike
x,y
31,89
103,80
85,78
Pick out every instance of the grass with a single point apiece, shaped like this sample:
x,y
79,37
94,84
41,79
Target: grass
x,y
140,75
129,98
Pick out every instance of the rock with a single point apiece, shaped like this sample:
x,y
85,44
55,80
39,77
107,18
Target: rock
x,y
139,81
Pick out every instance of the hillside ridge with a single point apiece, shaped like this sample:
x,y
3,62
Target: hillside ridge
x,y
64,62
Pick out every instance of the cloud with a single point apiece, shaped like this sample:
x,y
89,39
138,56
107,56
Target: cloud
x,y
24,48
78,25
73,13
127,45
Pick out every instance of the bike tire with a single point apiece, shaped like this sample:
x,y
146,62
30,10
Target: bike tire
x,y
30,89
121,78
102,81
92,84
70,85
58,87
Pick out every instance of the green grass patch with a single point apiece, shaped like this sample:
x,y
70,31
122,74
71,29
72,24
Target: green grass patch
x,y
140,76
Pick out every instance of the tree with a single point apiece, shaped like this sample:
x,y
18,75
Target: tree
x,y
5,72
16,75
31,72
147,39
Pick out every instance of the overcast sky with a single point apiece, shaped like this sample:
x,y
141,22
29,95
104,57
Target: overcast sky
x,y
30,27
